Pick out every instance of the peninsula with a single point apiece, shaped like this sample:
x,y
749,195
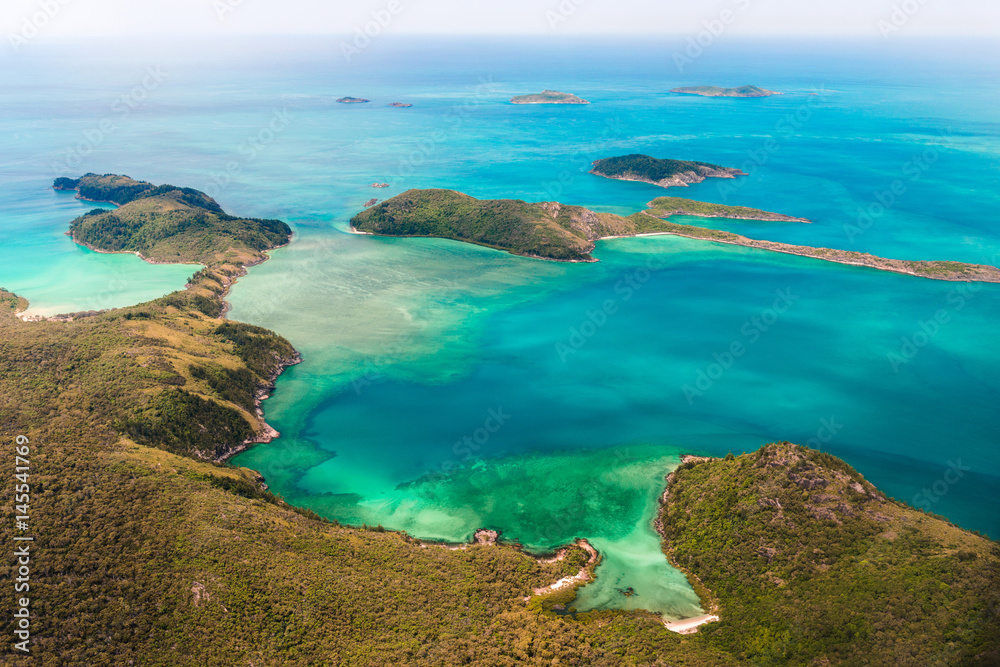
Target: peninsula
x,y
548,97
664,173
555,231
716,91
353,100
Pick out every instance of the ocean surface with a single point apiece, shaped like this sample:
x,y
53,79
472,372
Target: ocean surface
x,y
448,387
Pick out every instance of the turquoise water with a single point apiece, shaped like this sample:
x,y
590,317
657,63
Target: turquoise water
x,y
601,374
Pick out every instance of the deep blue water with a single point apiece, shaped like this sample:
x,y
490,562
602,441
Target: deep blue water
x,y
410,343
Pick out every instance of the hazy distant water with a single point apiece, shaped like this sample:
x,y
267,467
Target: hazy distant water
x,y
416,350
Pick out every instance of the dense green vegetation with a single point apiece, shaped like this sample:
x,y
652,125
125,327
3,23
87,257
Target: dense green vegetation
x,y
716,91
810,563
556,231
648,169
168,224
507,224
549,97
148,552
664,207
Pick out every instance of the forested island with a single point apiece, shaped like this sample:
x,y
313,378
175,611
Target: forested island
x,y
353,100
716,91
662,172
128,413
548,97
167,223
555,231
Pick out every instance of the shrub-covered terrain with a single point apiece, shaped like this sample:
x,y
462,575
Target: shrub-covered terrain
x,y
167,223
809,563
149,552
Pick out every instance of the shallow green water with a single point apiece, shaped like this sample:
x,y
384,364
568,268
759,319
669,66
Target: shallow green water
x,y
409,344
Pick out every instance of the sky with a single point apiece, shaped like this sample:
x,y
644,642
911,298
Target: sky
x,y
53,19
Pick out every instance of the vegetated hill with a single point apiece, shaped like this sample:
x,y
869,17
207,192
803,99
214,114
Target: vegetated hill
x,y
551,231
716,91
811,564
664,173
168,224
549,97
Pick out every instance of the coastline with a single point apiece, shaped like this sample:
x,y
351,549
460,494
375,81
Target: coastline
x,y
709,603
787,249
681,180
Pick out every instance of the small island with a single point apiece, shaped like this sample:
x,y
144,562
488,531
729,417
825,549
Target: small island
x,y
548,97
379,185
559,232
353,100
371,202
716,91
168,224
664,173
400,105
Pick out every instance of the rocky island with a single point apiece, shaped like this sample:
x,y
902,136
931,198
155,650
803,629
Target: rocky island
x,y
716,91
655,171
555,231
400,105
548,97
353,100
